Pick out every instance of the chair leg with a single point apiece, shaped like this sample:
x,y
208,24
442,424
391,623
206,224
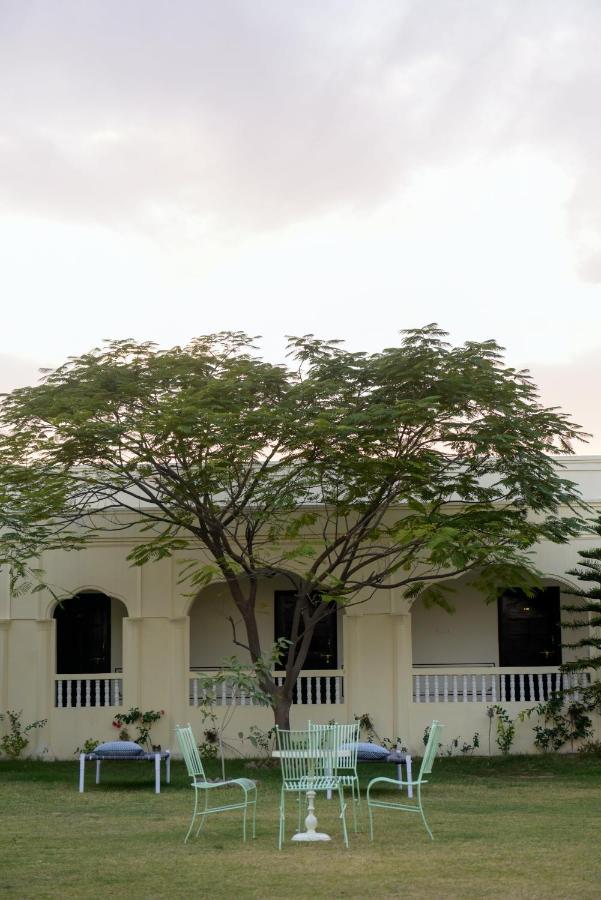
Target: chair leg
x,y
358,791
354,802
359,807
426,826
421,809
371,821
203,814
255,815
299,809
244,817
343,814
193,816
282,818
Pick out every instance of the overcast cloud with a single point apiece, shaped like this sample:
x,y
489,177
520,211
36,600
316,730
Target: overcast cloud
x,y
169,168
254,114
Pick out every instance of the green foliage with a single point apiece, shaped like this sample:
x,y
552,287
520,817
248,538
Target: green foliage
x,y
209,746
367,728
590,748
505,727
143,722
365,724
13,743
244,678
560,721
88,746
239,679
345,472
587,615
457,746
263,742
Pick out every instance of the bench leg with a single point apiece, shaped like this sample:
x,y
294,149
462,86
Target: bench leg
x,y
157,773
97,771
409,777
82,771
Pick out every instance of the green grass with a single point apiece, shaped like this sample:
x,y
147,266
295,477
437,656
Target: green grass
x,y
521,827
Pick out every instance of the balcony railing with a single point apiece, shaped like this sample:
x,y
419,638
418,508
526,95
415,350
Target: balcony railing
x,y
76,691
504,684
312,688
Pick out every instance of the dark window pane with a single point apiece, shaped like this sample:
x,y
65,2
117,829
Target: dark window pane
x,y
323,652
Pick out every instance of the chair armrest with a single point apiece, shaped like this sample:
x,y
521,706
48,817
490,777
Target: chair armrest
x,y
394,781
217,784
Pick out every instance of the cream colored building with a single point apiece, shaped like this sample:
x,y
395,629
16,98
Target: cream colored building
x,y
140,640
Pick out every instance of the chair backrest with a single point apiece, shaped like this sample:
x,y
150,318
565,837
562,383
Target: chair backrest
x,y
189,748
341,743
431,749
298,751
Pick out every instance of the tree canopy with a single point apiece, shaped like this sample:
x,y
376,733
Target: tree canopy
x,y
347,472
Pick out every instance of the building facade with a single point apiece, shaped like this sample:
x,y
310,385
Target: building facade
x,y
133,637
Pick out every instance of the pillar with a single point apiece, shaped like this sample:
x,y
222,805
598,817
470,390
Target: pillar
x,y
403,677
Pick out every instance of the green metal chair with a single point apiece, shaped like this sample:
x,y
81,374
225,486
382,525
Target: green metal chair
x,y
307,765
342,741
425,769
189,749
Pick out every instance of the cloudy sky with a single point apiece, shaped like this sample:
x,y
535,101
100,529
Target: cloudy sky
x,y
175,167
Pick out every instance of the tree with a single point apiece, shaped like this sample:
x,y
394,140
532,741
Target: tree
x,y
587,615
346,472
33,518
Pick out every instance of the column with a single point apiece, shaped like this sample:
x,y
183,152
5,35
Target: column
x,y
350,636
132,627
403,677
4,635
179,710
44,688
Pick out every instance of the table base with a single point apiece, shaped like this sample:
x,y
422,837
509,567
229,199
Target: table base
x,y
311,836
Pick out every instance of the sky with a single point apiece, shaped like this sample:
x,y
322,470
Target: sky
x,y
170,168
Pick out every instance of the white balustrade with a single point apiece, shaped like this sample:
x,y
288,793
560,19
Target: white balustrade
x,y
312,688
474,684
84,691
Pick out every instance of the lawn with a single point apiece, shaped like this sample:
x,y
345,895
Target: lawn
x,y
520,827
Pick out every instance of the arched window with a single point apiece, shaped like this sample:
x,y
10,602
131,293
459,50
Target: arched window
x,y
89,634
89,641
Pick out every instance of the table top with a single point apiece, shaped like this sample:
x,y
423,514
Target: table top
x,y
302,753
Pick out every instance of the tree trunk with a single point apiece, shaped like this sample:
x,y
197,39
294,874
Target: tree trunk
x,y
281,712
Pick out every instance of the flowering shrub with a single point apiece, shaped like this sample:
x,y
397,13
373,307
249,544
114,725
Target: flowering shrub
x,y
143,722
13,743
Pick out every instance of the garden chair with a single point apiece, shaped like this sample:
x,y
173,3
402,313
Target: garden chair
x,y
189,749
425,769
306,769
342,741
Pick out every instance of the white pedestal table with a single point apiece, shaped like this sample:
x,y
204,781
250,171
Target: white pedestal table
x,y
310,833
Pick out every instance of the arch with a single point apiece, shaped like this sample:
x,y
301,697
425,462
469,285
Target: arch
x,y
214,617
89,633
561,580
52,603
471,636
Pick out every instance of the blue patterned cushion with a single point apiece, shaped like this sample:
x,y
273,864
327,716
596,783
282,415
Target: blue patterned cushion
x,y
119,748
366,750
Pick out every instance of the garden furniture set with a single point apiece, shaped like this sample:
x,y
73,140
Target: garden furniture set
x,y
322,758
